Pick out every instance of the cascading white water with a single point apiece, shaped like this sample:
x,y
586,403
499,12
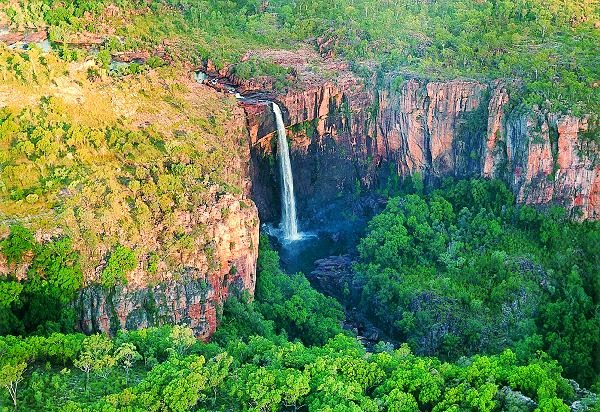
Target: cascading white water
x,y
289,222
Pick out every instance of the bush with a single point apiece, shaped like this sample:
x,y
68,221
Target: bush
x,y
19,241
121,261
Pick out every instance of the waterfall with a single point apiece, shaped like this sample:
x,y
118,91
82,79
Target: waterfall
x,y
289,223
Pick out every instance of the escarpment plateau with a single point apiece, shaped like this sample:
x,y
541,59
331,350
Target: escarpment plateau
x,y
148,179
347,135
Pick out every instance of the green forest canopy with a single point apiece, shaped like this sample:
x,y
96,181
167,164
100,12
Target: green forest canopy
x,y
551,44
463,270
253,364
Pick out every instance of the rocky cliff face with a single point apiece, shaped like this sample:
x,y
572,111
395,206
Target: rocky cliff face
x,y
168,184
194,293
347,133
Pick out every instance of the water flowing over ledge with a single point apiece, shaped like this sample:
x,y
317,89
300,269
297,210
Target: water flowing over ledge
x,y
289,221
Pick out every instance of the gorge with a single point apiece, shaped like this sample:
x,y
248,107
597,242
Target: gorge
x,y
307,205
354,142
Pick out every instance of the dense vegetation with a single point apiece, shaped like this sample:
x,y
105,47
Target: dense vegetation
x,y
497,304
41,303
551,45
252,364
104,162
462,271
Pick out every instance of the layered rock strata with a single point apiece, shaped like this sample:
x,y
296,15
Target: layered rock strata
x,y
348,134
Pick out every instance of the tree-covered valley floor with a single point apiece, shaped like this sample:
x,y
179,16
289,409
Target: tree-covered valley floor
x,y
503,312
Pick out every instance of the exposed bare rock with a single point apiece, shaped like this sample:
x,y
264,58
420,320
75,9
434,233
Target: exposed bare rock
x,y
348,130
111,11
326,44
191,296
335,277
495,130
128,57
12,38
36,37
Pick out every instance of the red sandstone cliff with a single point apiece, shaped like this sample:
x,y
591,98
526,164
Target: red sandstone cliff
x,y
194,295
454,128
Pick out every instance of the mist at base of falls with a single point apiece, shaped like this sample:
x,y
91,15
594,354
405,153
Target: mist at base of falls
x,y
300,255
332,230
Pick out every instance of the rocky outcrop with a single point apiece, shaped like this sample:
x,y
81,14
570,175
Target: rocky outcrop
x,y
334,276
194,293
14,38
349,131
585,400
131,57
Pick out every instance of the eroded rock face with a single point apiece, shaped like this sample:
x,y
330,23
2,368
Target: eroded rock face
x,y
348,134
194,239
194,294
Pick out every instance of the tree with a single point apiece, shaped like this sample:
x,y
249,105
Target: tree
x,y
95,356
291,302
121,261
19,241
126,355
10,377
183,392
183,338
218,369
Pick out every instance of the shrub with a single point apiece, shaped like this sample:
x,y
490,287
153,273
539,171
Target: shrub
x,y
121,261
19,241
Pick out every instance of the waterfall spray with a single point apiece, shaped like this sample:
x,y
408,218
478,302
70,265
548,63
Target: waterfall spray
x,y
289,222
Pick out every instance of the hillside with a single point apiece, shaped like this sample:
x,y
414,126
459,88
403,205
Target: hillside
x,y
146,176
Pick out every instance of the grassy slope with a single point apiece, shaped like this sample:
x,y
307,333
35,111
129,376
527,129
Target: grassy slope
x,y
111,160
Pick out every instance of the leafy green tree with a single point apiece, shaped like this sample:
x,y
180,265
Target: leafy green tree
x,y
95,356
10,377
184,392
19,241
126,355
121,261
218,369
291,302
442,270
183,338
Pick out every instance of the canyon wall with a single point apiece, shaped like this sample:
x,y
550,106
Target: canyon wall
x,y
159,219
349,136
192,291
